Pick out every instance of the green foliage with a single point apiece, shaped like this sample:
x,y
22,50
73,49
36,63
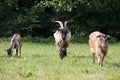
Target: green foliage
x,y
35,17
113,40
27,39
38,39
75,39
43,40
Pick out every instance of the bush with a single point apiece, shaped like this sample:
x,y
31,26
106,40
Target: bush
x,y
27,39
74,39
79,39
43,40
38,39
113,40
4,39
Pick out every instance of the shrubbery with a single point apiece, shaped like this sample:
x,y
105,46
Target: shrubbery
x,y
74,39
35,17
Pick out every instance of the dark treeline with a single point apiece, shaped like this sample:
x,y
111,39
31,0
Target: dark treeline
x,y
35,17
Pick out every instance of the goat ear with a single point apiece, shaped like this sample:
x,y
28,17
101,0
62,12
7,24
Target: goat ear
x,y
108,36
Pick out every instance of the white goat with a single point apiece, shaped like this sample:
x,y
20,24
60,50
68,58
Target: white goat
x,y
62,38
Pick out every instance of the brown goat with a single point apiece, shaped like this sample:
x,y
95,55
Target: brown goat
x,y
98,46
16,43
62,38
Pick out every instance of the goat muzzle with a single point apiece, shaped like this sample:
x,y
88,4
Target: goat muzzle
x,y
62,53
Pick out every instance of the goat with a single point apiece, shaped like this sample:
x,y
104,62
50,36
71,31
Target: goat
x,y
62,38
98,46
16,43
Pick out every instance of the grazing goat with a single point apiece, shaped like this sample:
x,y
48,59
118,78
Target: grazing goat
x,y
16,43
98,46
62,38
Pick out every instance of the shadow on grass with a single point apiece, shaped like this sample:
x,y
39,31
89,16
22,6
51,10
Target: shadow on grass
x,y
80,56
37,56
11,57
115,64
17,56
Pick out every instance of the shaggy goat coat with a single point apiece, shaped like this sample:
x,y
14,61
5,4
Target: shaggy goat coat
x,y
98,46
62,38
16,43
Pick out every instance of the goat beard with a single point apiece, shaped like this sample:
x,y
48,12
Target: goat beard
x,y
62,53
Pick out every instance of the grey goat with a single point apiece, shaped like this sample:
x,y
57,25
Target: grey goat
x,y
16,43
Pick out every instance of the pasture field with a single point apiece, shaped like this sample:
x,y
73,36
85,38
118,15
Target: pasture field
x,y
41,62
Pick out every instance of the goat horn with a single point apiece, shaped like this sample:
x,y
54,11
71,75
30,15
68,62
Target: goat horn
x,y
65,24
61,24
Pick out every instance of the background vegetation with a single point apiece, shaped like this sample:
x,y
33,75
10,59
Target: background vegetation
x,y
35,17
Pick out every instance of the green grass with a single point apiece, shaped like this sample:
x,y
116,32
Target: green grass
x,y
42,62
